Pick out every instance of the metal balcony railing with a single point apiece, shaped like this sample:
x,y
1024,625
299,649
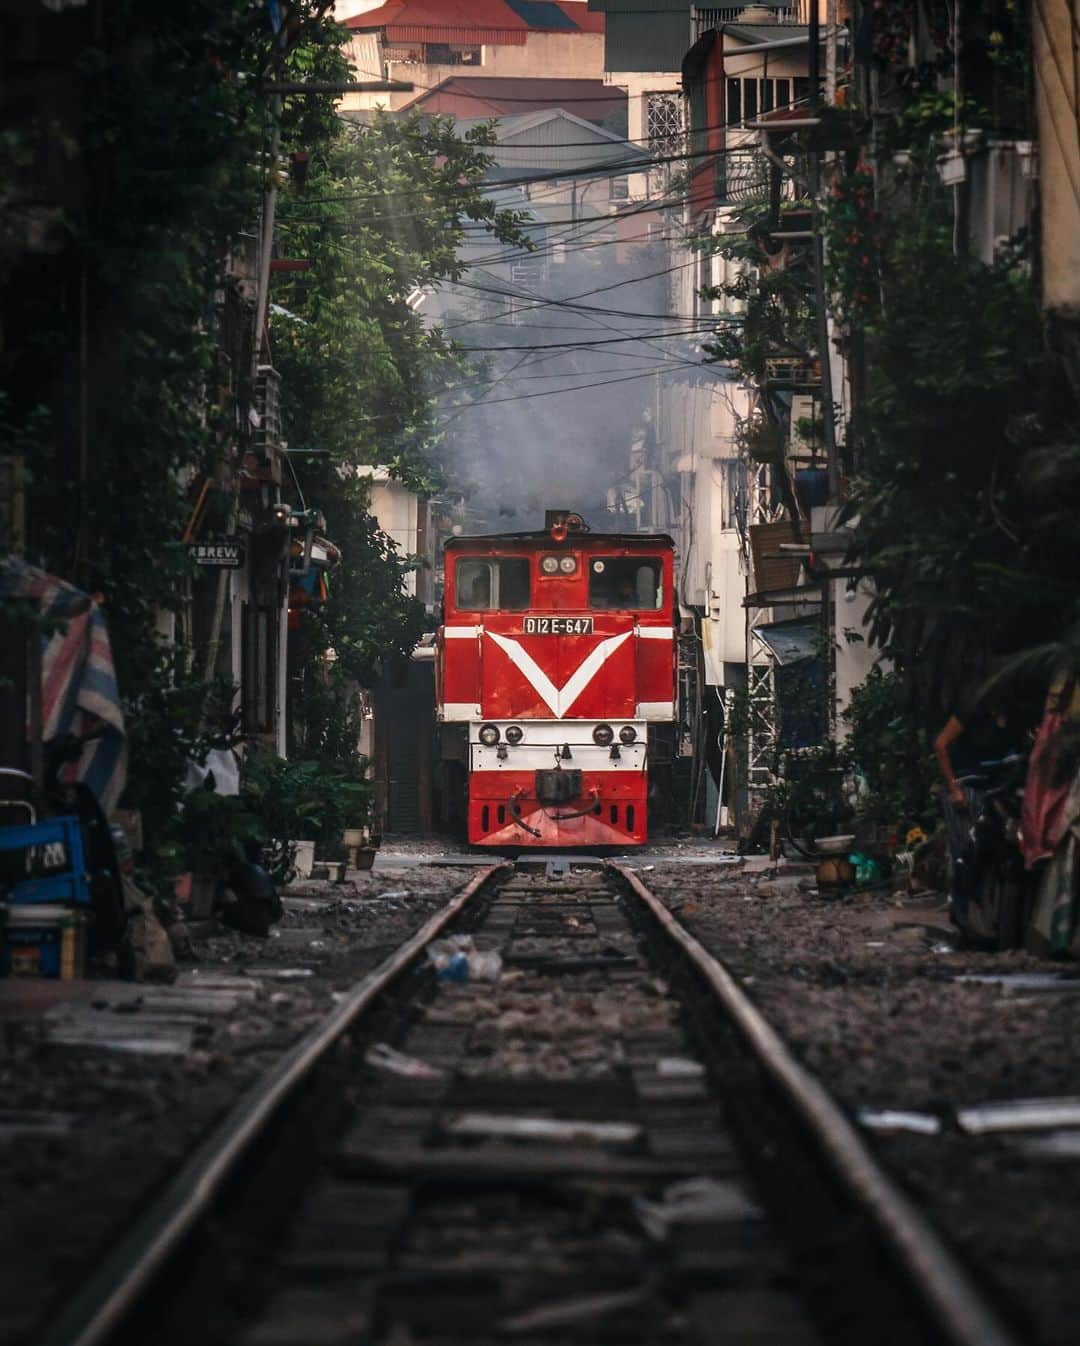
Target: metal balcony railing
x,y
705,20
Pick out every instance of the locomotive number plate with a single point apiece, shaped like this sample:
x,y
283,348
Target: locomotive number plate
x,y
558,626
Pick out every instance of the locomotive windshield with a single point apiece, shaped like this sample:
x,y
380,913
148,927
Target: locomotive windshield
x,y
626,582
483,584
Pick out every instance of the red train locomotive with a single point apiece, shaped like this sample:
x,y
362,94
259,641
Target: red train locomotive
x,y
555,683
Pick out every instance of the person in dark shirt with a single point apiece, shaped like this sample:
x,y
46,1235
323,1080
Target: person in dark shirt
x,y
971,736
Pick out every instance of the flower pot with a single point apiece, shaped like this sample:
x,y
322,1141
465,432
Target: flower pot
x,y
304,859
952,169
355,836
764,443
1027,156
365,857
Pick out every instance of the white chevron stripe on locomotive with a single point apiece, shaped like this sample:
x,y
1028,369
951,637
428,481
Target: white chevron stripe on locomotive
x,y
559,699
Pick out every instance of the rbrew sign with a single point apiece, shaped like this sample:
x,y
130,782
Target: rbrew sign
x,y
222,555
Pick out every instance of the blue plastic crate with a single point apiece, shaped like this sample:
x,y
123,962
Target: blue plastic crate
x,y
45,862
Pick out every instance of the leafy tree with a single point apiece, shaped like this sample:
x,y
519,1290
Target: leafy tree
x,y
381,216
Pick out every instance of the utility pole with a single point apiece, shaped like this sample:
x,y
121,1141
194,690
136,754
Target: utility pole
x,y
830,52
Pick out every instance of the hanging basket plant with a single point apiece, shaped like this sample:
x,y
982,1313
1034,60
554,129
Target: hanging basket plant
x,y
764,441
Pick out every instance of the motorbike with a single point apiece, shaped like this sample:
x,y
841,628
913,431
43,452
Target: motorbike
x,y
991,889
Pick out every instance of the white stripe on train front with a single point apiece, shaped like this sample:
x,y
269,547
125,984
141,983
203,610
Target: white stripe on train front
x,y
559,699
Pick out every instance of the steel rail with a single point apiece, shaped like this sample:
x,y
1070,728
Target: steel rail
x,y
957,1305
101,1305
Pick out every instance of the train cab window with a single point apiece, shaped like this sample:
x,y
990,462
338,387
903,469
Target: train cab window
x,y
481,585
633,582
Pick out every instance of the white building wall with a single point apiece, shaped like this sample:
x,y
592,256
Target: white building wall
x,y
397,510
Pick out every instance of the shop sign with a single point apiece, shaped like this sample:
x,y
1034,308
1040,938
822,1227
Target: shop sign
x,y
221,555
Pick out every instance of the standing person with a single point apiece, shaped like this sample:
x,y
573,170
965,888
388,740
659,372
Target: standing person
x,y
973,734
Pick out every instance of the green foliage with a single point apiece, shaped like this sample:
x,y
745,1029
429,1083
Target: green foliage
x,y
215,831
172,720
382,214
368,618
171,136
775,318
949,526
891,751
303,800
852,247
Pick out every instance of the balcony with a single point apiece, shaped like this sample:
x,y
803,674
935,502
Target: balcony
x,y
800,375
706,20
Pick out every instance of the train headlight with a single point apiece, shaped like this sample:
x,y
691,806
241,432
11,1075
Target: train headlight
x,y
514,734
489,735
628,734
603,734
567,565
549,565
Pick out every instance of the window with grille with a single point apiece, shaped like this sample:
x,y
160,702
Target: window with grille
x,y
663,119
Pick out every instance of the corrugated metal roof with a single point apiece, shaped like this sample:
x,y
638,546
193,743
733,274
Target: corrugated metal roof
x,y
543,14
765,32
475,95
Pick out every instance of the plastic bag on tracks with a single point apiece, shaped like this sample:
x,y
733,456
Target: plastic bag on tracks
x,y
457,959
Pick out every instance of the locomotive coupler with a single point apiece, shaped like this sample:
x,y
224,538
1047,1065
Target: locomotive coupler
x,y
557,786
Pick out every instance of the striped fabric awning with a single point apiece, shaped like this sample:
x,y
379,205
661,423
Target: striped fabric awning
x,y
78,679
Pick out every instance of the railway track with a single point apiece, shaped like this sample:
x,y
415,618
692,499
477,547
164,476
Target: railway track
x,y
605,1144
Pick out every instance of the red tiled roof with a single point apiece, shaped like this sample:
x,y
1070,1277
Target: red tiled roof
x,y
492,96
483,21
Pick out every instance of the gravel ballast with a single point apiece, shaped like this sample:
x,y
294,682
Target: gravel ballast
x,y
870,992
90,1132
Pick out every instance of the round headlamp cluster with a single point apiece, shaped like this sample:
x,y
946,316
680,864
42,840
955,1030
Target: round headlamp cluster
x,y
514,733
489,735
555,565
628,734
603,734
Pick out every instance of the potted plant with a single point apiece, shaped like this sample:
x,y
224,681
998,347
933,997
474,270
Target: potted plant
x,y
764,441
306,806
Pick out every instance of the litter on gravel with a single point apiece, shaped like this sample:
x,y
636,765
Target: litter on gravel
x,y
382,1056
1022,1114
679,1068
559,1130
695,1201
891,1120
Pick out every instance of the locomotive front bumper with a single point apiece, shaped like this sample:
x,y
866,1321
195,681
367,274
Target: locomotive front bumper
x,y
556,785
569,745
